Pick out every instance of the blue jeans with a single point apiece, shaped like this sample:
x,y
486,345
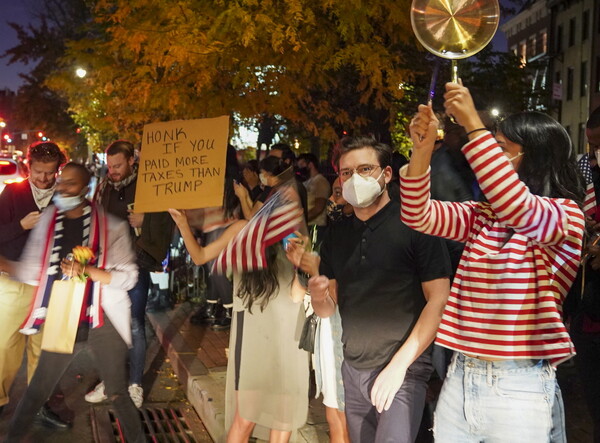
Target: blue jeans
x,y
492,402
137,354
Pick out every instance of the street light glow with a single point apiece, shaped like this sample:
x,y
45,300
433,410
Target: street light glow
x,y
2,124
80,72
495,112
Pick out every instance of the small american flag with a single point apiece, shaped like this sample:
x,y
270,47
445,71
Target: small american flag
x,y
278,218
589,203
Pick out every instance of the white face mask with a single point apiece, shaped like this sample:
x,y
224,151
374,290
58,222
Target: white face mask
x,y
67,203
360,191
597,155
514,158
263,179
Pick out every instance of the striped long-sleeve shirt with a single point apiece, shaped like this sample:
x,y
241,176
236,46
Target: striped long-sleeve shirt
x,y
520,259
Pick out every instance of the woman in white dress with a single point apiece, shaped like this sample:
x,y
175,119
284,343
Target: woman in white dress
x,y
267,375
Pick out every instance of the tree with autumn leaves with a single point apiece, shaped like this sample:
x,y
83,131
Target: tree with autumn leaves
x,y
317,67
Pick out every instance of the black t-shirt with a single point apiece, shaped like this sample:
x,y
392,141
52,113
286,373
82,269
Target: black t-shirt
x,y
72,236
379,266
264,194
255,192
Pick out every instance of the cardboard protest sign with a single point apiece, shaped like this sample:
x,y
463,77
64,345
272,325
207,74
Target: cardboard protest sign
x,y
182,165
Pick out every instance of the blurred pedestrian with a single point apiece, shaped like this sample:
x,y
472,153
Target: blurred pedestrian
x,y
318,191
585,295
104,327
250,172
151,236
211,223
21,206
267,374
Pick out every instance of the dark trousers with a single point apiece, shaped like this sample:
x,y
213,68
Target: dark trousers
x,y
110,353
400,423
588,366
137,354
219,287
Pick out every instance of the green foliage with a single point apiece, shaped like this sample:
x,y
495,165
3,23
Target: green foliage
x,y
316,67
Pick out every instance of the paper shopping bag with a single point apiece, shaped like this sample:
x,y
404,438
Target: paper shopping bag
x,y
62,317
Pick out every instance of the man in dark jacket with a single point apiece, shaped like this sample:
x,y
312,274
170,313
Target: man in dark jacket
x,y
152,236
21,205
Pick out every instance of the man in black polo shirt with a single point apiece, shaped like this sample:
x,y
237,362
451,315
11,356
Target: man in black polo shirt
x,y
391,284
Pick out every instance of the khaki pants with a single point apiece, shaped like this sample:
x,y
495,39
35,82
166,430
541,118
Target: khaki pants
x,y
15,302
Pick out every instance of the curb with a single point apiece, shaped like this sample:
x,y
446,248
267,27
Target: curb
x,y
205,389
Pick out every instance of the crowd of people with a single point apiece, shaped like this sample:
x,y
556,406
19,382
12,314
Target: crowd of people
x,y
477,260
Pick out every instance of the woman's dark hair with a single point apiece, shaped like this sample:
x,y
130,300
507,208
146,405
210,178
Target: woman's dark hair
x,y
252,165
232,173
273,165
548,166
258,287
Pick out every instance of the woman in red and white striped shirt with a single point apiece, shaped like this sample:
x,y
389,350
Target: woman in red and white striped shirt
x,y
523,246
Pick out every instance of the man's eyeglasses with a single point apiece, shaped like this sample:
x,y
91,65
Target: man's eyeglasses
x,y
362,170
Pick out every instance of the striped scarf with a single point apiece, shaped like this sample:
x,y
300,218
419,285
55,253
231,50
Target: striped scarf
x,y
95,237
99,194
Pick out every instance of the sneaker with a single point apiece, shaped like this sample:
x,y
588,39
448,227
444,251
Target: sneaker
x,y
97,395
136,392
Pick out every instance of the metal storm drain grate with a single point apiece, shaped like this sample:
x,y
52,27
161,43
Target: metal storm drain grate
x,y
162,424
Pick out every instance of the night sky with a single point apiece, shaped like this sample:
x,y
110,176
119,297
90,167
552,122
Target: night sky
x,y
21,11
18,11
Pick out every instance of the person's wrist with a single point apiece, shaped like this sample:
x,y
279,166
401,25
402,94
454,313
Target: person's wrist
x,y
303,277
319,296
472,124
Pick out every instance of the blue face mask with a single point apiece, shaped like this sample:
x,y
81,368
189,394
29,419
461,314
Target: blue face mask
x,y
67,203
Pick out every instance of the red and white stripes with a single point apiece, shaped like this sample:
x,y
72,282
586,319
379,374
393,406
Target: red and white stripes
x,y
521,257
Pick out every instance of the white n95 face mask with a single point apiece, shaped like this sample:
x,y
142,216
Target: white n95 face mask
x,y
360,191
263,179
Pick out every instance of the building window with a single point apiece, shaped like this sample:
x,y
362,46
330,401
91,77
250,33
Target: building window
x,y
585,25
523,52
571,32
531,49
581,140
544,38
570,75
597,76
559,39
583,80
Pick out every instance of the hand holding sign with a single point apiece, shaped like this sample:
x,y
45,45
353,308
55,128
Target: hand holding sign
x,y
182,164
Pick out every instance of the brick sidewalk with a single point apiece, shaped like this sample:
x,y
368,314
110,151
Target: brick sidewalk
x,y
199,357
